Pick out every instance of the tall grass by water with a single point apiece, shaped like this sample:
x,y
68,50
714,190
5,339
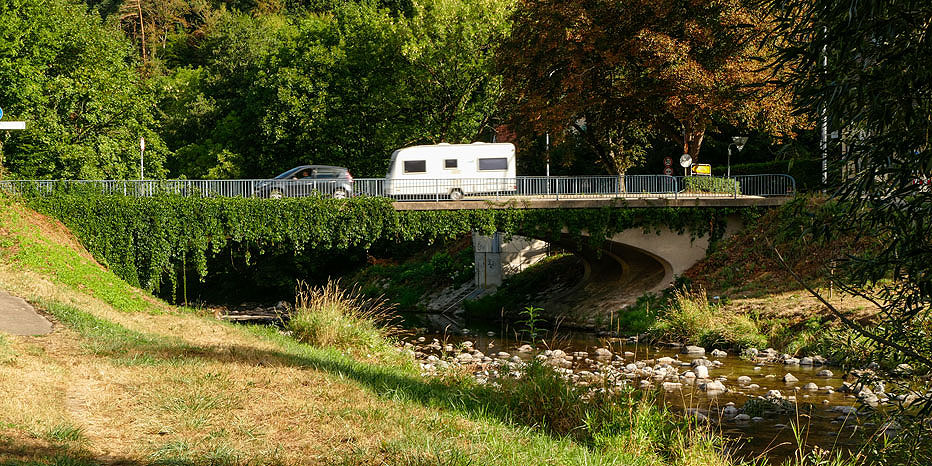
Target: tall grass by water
x,y
337,317
690,317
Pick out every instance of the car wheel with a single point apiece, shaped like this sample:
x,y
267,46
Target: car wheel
x,y
276,194
456,195
340,194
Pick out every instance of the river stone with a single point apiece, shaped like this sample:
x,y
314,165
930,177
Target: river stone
x,y
669,386
525,349
467,344
665,360
558,354
811,386
806,361
730,411
631,367
629,354
743,380
742,418
516,359
503,355
602,353
701,372
774,394
753,386
790,378
717,353
693,350
791,361
701,362
713,387
689,375
825,373
464,357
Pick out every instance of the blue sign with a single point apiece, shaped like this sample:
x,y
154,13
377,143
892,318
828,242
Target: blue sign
x,y
1,113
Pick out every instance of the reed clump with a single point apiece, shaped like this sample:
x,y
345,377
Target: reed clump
x,y
331,316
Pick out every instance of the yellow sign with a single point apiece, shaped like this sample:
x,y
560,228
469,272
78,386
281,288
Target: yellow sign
x,y
702,169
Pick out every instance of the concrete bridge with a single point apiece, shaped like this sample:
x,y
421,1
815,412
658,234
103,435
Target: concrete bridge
x,y
626,265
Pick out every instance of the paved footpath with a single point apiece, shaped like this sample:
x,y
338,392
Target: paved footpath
x,y
17,317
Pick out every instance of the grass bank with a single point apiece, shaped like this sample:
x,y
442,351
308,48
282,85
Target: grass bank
x,y
741,296
125,378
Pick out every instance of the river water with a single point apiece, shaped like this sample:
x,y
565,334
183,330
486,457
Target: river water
x,y
823,415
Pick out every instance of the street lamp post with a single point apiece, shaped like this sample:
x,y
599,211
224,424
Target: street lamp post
x,y
739,142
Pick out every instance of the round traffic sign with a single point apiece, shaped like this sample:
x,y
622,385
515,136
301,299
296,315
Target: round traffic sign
x,y
686,160
1,113
668,161
668,171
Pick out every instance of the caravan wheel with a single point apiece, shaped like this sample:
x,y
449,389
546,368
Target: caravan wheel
x,y
456,195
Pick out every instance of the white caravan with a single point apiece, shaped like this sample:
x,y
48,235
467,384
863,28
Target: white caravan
x,y
454,170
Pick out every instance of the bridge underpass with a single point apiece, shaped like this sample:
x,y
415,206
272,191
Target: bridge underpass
x,y
625,267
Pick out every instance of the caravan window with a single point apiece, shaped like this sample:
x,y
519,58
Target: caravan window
x,y
415,166
498,163
449,163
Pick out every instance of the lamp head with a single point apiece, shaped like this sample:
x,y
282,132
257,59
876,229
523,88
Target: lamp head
x,y
739,141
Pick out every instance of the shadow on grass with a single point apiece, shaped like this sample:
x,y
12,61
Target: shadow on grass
x,y
562,416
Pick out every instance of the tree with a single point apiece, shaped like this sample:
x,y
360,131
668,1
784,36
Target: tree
x,y
875,88
76,84
345,88
618,71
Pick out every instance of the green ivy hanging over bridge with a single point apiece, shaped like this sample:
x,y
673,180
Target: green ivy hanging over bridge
x,y
148,240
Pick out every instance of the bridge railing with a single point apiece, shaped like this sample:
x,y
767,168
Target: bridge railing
x,y
534,187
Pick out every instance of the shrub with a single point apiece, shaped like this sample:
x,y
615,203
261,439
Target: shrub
x,y
331,316
711,184
691,318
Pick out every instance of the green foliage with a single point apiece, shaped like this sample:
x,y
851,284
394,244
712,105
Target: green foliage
x,y
405,283
691,318
331,316
640,316
711,184
532,322
806,172
264,93
145,240
74,81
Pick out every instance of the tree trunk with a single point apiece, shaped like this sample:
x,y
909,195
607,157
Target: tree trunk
x,y
693,141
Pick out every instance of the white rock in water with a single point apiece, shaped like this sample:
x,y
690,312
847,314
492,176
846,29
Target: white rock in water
x,y
712,387
665,360
790,378
825,373
525,349
717,353
602,353
693,350
791,361
774,394
503,355
669,386
742,418
811,386
467,344
631,367
701,372
558,354
690,375
743,380
730,411
490,333
806,361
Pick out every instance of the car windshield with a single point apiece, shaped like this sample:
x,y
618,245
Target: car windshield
x,y
289,173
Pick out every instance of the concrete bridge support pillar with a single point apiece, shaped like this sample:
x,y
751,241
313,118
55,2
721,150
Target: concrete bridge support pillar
x,y
497,259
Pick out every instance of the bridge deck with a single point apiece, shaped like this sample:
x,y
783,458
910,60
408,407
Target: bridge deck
x,y
593,202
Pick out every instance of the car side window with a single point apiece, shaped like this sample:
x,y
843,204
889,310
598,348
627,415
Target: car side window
x,y
326,174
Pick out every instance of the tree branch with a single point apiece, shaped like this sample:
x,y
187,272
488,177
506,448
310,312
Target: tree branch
x,y
848,322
